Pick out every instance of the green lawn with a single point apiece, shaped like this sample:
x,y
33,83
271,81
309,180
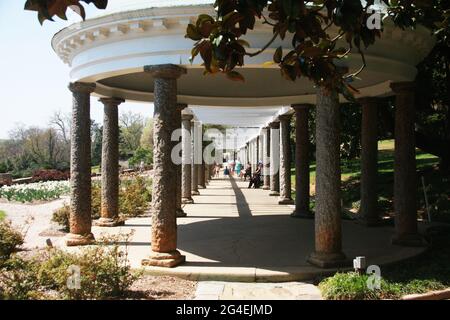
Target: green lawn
x,y
2,215
437,185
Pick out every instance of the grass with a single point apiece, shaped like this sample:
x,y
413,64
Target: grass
x,y
437,186
421,274
2,215
95,169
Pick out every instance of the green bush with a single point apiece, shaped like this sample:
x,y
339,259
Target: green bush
x,y
353,286
10,239
134,199
61,216
104,274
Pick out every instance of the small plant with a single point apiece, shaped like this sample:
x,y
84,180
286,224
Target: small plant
x,y
10,239
61,216
104,273
134,197
353,286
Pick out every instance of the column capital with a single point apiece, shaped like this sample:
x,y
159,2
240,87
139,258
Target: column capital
x,y
274,125
403,87
187,117
285,117
181,106
113,101
82,87
301,106
169,71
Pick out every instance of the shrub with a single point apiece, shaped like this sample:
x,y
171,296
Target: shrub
x,y
104,273
353,286
18,280
10,239
50,175
61,216
134,197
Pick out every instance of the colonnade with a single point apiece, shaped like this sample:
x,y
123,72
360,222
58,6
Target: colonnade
x,y
271,147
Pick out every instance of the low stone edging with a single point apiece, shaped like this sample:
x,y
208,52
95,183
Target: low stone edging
x,y
432,295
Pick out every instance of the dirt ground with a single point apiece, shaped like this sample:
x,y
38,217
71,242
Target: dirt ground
x,y
162,288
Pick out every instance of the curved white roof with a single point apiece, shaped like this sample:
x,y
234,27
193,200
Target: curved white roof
x,y
115,6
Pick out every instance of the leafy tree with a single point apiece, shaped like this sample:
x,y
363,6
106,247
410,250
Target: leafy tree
x,y
141,154
97,137
131,128
147,135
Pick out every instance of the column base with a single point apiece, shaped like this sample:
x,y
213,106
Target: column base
x,y
187,201
202,187
164,259
181,213
266,187
195,193
409,240
285,201
302,214
328,260
274,194
73,239
108,222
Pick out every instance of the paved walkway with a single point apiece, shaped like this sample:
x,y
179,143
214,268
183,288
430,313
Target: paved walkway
x,y
215,290
233,233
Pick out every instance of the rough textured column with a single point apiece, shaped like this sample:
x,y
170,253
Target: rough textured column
x,y
266,157
369,153
110,164
302,162
405,178
285,160
202,175
186,180
194,186
164,220
328,234
274,158
80,166
177,126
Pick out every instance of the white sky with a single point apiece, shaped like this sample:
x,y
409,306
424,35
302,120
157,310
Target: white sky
x,y
33,80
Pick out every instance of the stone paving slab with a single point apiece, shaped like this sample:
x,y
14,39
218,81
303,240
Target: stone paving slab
x,y
257,291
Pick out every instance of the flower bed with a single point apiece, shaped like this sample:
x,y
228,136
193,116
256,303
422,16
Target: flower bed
x,y
43,191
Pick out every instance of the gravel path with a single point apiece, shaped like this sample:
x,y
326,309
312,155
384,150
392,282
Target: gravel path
x,y
33,219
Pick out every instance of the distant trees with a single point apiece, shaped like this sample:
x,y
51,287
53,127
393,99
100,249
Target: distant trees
x,y
28,149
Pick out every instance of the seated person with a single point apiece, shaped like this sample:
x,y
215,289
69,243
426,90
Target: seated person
x,y
256,179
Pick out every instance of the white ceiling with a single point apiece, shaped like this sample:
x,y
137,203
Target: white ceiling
x,y
245,117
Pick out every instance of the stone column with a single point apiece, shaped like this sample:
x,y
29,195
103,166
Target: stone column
x,y
202,176
177,126
80,166
194,135
285,160
274,158
302,162
110,164
405,178
369,150
328,234
186,172
164,219
266,158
